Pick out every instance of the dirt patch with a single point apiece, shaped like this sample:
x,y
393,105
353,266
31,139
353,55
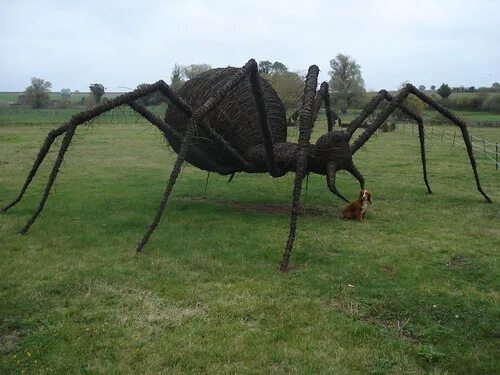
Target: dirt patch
x,y
459,261
266,208
9,341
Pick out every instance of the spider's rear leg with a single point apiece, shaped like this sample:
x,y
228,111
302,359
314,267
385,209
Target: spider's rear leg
x,y
69,128
53,134
55,169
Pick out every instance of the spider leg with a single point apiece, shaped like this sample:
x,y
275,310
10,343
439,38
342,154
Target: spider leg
x,y
186,144
372,105
331,174
264,121
323,96
301,168
76,120
53,134
421,136
55,169
357,174
396,101
463,128
365,112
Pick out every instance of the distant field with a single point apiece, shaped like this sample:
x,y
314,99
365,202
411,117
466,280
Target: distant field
x,y
412,290
27,116
11,97
22,115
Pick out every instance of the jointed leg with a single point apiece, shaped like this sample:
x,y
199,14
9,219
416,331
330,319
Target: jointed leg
x,y
354,171
323,96
76,120
264,121
421,135
465,133
55,169
331,174
445,112
301,168
53,134
186,144
383,94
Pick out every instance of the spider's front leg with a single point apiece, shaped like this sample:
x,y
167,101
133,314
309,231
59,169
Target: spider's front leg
x,y
371,108
397,101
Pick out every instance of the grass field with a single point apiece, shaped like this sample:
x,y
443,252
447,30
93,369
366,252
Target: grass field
x,y
412,290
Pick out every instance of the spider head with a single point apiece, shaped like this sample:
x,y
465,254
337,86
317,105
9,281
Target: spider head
x,y
333,147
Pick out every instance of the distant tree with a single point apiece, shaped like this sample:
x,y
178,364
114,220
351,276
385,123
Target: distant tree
x,y
265,67
37,95
176,80
65,94
289,86
193,70
279,67
97,91
444,91
346,82
496,86
433,87
421,87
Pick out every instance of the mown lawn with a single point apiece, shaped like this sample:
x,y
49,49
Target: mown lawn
x,y
412,290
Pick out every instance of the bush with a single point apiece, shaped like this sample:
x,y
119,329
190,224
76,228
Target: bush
x,y
492,103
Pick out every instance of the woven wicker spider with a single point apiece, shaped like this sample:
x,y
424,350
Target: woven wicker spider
x,y
230,120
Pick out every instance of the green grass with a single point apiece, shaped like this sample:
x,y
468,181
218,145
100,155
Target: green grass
x,y
48,116
412,290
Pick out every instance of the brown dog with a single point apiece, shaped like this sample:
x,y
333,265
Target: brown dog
x,y
358,208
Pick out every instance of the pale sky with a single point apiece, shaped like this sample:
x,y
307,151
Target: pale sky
x,y
125,43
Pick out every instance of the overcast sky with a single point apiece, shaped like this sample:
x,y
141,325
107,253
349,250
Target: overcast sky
x,y
124,43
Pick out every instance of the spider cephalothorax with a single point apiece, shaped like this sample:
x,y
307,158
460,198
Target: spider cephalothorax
x,y
231,120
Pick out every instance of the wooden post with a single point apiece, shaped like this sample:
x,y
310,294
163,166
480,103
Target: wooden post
x,y
496,155
454,135
484,147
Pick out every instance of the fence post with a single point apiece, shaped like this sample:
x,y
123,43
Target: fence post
x,y
454,135
484,147
496,157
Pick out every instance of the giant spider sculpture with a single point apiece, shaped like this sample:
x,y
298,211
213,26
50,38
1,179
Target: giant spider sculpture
x,y
231,120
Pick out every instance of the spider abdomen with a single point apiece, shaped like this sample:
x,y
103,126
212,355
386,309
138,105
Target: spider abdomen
x,y
235,118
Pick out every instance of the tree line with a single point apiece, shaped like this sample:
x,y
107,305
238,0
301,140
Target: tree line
x,y
347,88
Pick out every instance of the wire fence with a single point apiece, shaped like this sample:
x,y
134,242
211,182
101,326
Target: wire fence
x,y
481,146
